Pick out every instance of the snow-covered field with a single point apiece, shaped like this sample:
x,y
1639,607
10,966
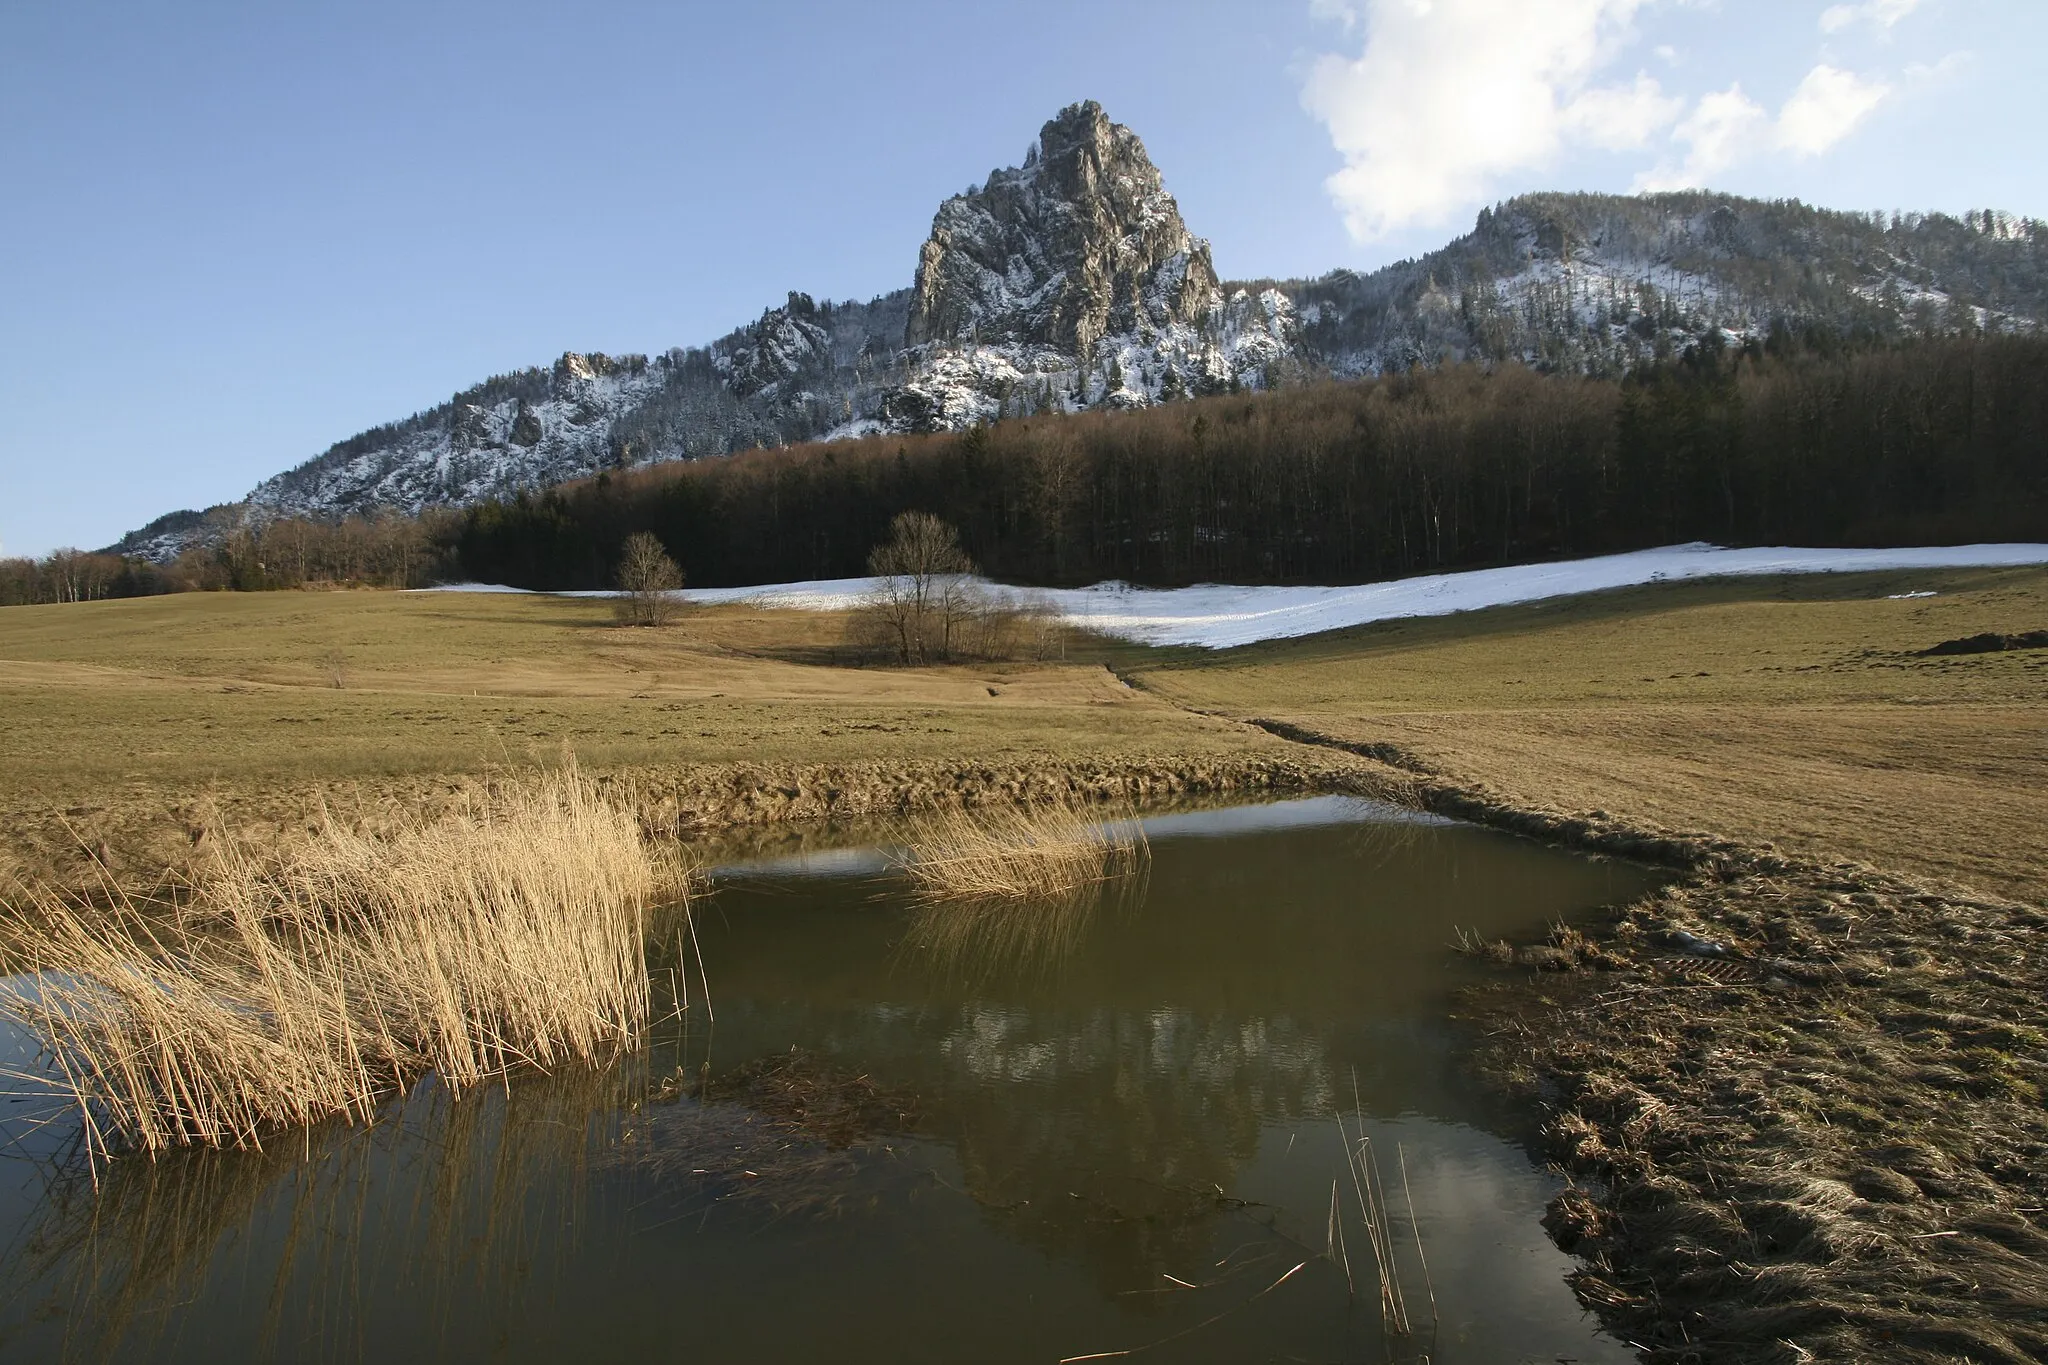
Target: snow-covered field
x,y
1218,616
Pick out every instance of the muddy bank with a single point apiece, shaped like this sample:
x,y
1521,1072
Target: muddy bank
x,y
1801,1101
144,838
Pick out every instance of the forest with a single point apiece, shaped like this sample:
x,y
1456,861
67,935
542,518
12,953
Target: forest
x,y
1789,440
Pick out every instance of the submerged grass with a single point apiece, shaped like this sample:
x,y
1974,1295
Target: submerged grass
x,y
299,987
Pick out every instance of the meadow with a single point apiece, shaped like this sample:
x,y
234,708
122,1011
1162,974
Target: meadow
x,y
133,725
1858,827
1795,711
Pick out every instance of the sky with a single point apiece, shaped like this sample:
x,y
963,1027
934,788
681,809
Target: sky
x,y
231,235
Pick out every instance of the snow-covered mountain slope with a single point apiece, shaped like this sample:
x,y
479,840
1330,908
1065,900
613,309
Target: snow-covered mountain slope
x,y
1600,283
1072,282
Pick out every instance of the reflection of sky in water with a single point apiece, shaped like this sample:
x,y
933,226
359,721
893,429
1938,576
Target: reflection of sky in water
x,y
1079,1129
1306,813
1496,1276
824,862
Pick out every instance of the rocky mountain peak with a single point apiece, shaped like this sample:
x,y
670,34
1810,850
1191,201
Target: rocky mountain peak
x,y
1080,242
785,342
1071,283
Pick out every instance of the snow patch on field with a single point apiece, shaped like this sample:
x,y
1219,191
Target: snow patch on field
x,y
1219,616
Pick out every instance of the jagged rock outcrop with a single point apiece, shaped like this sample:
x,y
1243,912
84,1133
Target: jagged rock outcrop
x,y
1072,282
785,343
1080,242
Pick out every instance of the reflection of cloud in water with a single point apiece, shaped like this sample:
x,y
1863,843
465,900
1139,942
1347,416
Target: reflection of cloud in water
x,y
1265,1065
1498,1280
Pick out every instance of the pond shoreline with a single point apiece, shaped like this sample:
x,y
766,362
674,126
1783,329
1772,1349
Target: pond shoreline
x,y
147,839
1800,1100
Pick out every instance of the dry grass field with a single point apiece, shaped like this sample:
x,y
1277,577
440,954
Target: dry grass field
x,y
1793,711
284,686
129,724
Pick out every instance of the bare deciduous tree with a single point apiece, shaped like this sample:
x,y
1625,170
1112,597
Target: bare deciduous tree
x,y
924,590
928,607
648,579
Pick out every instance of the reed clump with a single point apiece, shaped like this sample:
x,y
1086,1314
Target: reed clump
x,y
1021,853
316,983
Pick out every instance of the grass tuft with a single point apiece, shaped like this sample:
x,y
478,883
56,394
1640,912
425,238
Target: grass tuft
x,y
1018,854
314,984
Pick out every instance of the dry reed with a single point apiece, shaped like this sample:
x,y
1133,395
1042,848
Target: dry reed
x,y
314,984
1375,1210
1019,853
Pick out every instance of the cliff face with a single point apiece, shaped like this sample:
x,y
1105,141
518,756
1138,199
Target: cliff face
x,y
1079,243
1072,282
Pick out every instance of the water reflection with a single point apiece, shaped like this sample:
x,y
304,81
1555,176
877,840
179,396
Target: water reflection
x,y
1119,1123
297,1237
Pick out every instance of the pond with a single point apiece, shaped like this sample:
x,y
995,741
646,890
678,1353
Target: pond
x,y
1149,1122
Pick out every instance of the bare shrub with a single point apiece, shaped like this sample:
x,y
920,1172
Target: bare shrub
x,y
648,580
927,607
924,591
316,984
1001,625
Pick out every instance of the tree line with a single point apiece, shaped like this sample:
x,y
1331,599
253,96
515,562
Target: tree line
x,y
1788,440
387,550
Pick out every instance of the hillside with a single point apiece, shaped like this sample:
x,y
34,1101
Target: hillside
x,y
1072,283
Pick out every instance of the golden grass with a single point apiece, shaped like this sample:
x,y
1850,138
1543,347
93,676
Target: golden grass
x,y
1797,711
130,723
1019,854
1015,890
293,989
238,687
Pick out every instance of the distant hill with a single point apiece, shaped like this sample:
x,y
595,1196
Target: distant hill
x,y
1072,282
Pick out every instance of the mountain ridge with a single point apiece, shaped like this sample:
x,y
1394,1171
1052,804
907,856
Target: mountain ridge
x,y
1072,282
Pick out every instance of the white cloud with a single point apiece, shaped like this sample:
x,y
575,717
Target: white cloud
x,y
1826,108
1931,75
1723,128
1449,95
1620,118
1879,14
1728,127
1334,11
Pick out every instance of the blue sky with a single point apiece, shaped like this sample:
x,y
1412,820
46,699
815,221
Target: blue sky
x,y
233,234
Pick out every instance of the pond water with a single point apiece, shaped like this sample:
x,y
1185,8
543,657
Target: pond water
x,y
1113,1124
